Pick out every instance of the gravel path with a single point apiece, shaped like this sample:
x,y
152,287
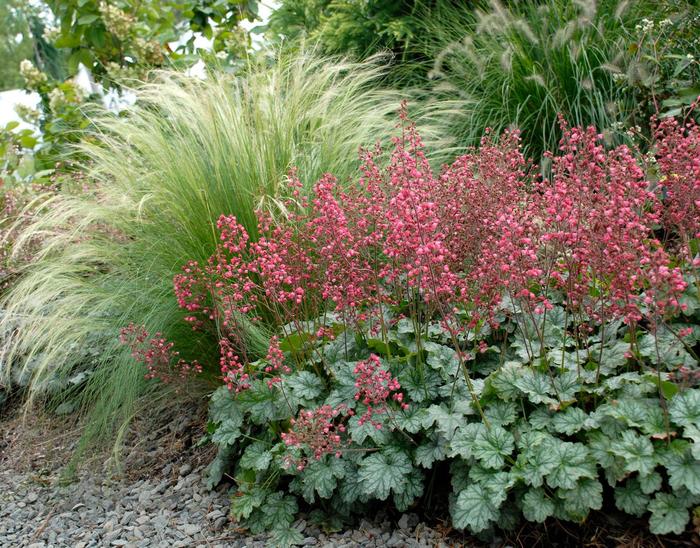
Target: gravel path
x,y
173,512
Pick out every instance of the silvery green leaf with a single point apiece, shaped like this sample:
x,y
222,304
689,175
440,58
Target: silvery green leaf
x,y
693,432
498,483
227,432
445,422
304,385
442,358
501,413
244,502
540,418
256,456
668,514
411,419
492,445
321,476
664,349
651,483
223,406
359,433
573,461
286,536
412,490
474,509
279,510
683,470
504,381
567,385
685,408
381,473
586,495
630,498
537,461
464,439
536,386
420,384
569,421
431,451
537,506
636,451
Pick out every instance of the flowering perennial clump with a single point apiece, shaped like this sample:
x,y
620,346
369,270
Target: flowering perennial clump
x,y
539,333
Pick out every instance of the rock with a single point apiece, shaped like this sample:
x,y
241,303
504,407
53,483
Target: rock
x,y
32,497
190,529
185,469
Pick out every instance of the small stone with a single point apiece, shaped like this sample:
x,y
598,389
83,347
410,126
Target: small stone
x,y
190,529
185,469
32,497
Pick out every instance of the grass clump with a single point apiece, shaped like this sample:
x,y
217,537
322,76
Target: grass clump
x,y
526,63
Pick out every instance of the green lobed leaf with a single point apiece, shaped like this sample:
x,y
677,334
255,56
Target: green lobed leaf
x,y
501,413
492,446
381,473
279,510
537,506
227,432
630,498
536,386
321,476
412,490
505,380
287,536
573,462
668,514
636,451
246,500
474,509
685,408
569,421
304,385
256,456
431,451
683,470
586,495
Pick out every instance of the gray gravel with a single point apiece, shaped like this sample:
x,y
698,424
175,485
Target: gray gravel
x,y
173,512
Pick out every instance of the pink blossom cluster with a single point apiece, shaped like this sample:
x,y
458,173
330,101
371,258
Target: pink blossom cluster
x,y
275,362
678,156
157,354
318,431
374,388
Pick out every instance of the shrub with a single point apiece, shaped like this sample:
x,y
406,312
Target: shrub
x,y
188,151
531,338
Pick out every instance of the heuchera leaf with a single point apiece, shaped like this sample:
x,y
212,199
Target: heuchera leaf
x,y
246,500
569,421
256,456
683,470
630,498
685,408
279,510
227,432
321,476
492,445
305,385
223,406
381,473
287,536
474,509
413,489
573,462
431,451
504,381
636,451
501,413
536,386
537,506
668,514
586,495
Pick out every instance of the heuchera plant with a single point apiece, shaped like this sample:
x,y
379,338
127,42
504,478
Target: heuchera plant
x,y
536,336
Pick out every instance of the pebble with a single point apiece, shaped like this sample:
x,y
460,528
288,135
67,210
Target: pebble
x,y
153,513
